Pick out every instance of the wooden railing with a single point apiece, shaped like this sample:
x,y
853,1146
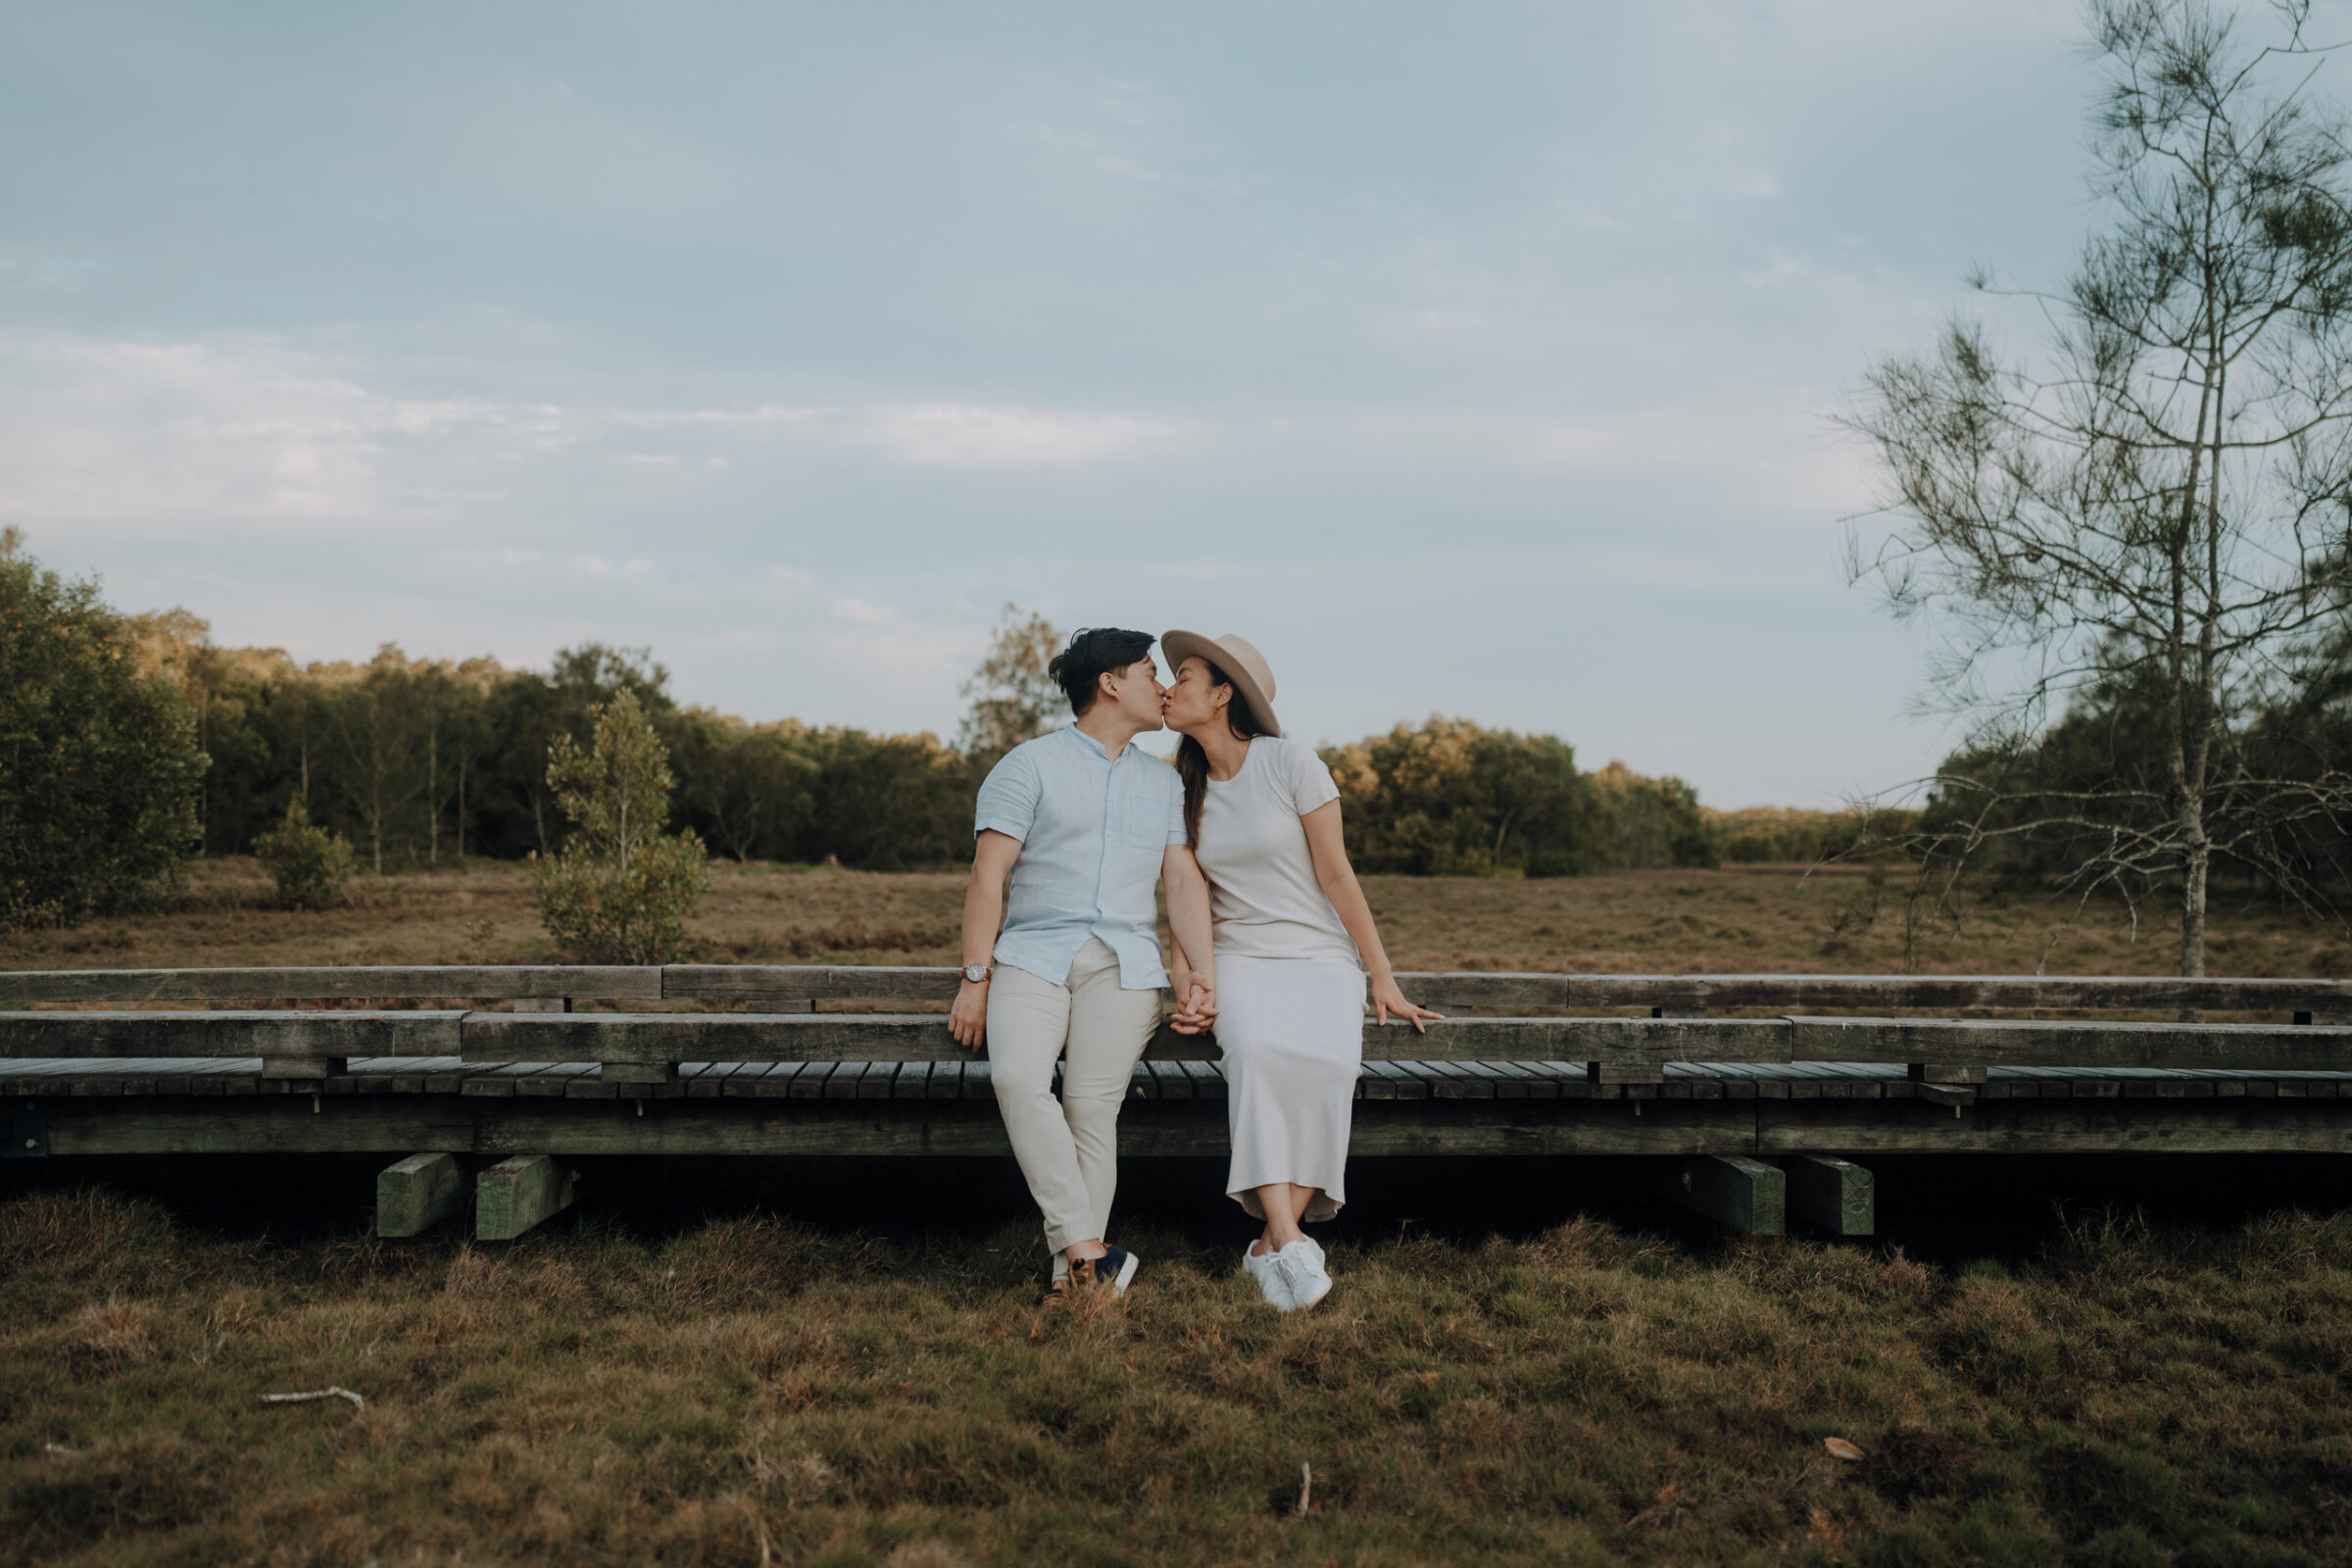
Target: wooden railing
x,y
648,1019
695,982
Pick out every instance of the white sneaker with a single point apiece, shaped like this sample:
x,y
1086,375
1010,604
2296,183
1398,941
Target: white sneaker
x,y
1300,1267
1259,1266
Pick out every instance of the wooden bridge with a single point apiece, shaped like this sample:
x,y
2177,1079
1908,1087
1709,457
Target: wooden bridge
x,y
1758,1094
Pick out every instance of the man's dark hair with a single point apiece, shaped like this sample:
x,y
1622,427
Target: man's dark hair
x,y
1078,670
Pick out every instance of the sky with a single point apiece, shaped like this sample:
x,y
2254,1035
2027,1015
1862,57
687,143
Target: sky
x,y
1479,359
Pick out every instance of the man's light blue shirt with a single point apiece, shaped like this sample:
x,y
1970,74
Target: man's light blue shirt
x,y
1093,829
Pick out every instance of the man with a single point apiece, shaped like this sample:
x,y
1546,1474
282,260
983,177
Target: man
x,y
1085,825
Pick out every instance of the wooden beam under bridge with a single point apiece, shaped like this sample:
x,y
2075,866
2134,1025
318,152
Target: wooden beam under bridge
x,y
1760,1128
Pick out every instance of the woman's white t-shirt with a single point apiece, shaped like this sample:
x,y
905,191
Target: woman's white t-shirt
x,y
1263,898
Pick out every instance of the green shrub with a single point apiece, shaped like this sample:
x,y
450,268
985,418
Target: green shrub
x,y
619,891
98,762
1651,822
309,864
1453,797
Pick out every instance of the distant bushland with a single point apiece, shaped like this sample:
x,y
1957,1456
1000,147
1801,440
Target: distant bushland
x,y
99,763
1453,797
422,762
1780,833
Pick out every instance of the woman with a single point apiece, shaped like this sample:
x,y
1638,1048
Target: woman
x,y
1291,941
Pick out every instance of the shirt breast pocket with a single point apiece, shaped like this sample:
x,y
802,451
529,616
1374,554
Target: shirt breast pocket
x,y
1144,825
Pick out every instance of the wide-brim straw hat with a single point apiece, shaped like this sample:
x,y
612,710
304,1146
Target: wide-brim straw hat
x,y
1251,676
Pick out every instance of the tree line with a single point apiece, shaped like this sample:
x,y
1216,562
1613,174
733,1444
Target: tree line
x,y
418,761
129,743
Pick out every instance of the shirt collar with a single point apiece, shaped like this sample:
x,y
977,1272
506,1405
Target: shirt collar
x,y
1097,746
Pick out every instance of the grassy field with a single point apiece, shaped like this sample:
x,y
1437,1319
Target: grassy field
x,y
751,1390
1523,1364
1762,919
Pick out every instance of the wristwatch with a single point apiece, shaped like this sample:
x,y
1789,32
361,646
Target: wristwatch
x,y
976,973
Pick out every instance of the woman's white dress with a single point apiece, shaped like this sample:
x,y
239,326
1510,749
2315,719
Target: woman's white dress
x,y
1290,984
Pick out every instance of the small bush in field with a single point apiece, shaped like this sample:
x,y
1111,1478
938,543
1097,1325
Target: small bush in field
x,y
309,864
620,889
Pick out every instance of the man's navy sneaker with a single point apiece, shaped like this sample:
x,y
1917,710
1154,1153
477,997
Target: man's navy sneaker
x,y
1114,1268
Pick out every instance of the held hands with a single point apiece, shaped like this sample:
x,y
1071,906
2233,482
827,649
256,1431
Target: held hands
x,y
1196,1004
967,1020
1386,998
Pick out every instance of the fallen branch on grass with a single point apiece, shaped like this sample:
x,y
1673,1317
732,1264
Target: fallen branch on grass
x,y
330,1391
1307,1487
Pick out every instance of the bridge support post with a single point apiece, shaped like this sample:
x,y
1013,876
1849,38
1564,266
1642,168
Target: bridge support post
x,y
1834,1195
517,1193
1736,1191
421,1191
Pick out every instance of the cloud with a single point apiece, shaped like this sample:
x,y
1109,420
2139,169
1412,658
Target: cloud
x,y
943,434
966,435
261,436
871,644
126,435
95,431
859,613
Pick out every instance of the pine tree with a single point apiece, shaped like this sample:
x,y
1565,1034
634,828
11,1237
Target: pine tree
x,y
620,889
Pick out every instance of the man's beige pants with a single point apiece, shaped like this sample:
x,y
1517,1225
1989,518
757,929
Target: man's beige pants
x,y
1068,1152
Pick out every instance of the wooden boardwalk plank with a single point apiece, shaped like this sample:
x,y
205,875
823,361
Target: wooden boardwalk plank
x,y
240,1033
1456,1080
625,1037
349,982
1174,1082
773,1084
1679,993
2007,1042
1806,1045
761,984
1402,1084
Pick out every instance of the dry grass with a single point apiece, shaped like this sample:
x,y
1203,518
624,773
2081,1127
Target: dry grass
x,y
748,1391
755,1390
1730,921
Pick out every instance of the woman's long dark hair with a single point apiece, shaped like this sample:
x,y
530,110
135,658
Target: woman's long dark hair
x,y
1191,763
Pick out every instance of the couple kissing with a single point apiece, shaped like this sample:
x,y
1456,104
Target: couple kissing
x,y
1276,953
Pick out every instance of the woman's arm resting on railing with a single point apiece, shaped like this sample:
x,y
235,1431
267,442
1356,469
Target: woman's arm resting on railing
x,y
993,856
1329,847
